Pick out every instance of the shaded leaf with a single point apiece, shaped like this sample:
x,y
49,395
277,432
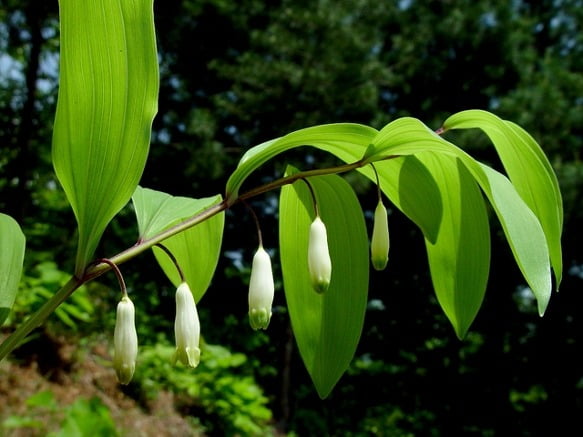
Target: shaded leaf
x,y
107,100
11,259
327,326
157,211
459,259
196,250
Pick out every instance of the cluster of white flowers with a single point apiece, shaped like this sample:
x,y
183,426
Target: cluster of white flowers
x,y
261,292
261,284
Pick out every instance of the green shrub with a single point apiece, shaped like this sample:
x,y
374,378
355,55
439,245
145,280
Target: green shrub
x,y
227,400
83,418
39,285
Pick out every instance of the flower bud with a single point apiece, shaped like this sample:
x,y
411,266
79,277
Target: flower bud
x,y
319,263
261,288
186,327
379,246
125,341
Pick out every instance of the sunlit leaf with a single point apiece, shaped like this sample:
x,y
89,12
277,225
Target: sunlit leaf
x,y
406,136
196,250
521,226
459,259
107,100
524,233
11,259
529,170
347,141
327,326
413,188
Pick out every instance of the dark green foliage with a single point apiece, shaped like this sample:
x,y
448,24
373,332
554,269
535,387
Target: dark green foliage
x,y
44,280
237,73
83,418
219,392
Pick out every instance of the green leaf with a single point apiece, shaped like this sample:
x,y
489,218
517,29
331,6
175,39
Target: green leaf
x,y
529,170
459,259
407,136
107,100
157,211
196,250
523,230
327,326
524,233
347,141
11,259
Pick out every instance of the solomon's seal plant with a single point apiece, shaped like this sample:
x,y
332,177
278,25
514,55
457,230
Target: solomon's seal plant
x,y
107,99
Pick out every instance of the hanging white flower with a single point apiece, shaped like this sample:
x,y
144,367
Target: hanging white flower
x,y
186,327
379,246
319,262
261,290
125,341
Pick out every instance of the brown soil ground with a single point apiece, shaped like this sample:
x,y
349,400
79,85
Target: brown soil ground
x,y
83,377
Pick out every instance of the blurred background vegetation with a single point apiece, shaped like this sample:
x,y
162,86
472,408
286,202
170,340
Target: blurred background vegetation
x,y
234,74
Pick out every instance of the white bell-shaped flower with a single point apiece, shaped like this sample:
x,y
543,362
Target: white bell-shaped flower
x,y
379,246
125,341
319,262
186,327
261,290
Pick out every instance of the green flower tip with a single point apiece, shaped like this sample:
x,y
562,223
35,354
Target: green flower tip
x,y
261,290
125,341
186,328
188,356
379,247
259,318
319,262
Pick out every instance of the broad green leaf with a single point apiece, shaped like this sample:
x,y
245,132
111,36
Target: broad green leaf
x,y
327,326
11,259
345,140
529,170
196,250
460,258
107,100
157,211
524,233
408,136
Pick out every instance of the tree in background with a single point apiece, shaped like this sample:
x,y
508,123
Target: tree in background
x,y
234,75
